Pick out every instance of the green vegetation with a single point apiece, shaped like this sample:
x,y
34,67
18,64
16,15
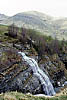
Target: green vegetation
x,y
46,44
42,43
3,28
20,96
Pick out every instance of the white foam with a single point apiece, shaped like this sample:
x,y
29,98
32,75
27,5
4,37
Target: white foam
x,y
43,78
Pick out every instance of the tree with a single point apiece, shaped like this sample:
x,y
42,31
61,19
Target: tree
x,y
13,30
23,32
54,46
23,35
41,46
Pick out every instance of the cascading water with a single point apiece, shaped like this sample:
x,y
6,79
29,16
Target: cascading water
x,y
43,78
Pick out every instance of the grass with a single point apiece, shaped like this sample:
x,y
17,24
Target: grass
x,y
21,96
3,28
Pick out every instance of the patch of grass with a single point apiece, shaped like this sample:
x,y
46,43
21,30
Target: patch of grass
x,y
21,96
3,29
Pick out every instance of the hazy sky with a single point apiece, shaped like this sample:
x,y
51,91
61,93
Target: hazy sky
x,y
56,8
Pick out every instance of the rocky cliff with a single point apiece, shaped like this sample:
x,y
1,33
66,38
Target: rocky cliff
x,y
15,73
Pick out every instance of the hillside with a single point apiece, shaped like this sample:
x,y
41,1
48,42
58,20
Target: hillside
x,y
2,17
20,78
35,20
60,27
50,54
32,20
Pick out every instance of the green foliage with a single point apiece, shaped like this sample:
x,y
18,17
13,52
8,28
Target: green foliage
x,y
42,43
36,35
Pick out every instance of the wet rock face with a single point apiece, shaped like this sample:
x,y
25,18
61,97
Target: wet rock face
x,y
55,69
63,58
15,74
9,65
26,82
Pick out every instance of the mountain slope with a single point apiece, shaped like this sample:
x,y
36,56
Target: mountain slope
x,y
34,20
41,22
3,17
60,27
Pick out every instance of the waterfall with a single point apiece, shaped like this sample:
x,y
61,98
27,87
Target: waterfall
x,y
43,78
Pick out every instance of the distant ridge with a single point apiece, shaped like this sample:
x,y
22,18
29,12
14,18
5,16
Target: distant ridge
x,y
2,16
36,20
